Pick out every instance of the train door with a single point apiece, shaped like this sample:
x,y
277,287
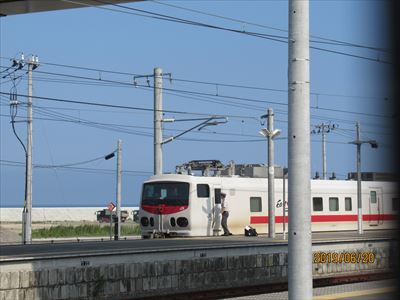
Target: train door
x,y
375,206
216,201
205,197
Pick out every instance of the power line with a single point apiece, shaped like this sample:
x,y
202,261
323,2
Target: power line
x,y
85,122
217,84
108,126
256,119
328,41
163,17
213,95
96,124
116,127
127,107
74,164
212,100
189,139
250,107
84,169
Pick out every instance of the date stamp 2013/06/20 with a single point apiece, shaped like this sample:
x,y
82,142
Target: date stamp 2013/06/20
x,y
343,257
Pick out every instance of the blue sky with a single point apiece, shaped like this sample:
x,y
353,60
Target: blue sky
x,y
102,39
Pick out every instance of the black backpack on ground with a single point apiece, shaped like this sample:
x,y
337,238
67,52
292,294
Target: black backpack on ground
x,y
250,231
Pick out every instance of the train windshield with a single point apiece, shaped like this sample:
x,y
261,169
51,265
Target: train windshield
x,y
168,193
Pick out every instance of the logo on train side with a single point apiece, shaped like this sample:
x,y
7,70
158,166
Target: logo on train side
x,y
279,203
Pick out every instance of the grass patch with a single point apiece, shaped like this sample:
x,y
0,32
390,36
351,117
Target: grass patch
x,y
88,230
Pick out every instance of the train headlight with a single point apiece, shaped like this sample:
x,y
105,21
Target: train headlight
x,y
144,221
172,221
182,222
151,221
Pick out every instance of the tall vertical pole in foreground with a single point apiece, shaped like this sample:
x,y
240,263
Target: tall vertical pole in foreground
x,y
359,199
271,176
27,211
119,173
299,235
285,170
158,160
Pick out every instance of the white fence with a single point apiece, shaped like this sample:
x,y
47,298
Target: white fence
x,y
51,214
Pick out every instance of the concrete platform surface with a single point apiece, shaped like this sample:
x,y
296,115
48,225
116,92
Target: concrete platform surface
x,y
172,244
383,289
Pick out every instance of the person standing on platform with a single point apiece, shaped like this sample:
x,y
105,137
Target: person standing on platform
x,y
225,214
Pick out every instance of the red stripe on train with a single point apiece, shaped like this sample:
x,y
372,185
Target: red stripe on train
x,y
163,209
327,218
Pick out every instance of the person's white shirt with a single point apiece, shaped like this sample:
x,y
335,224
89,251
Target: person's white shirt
x,y
224,204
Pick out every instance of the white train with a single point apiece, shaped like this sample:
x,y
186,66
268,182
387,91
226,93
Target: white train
x,y
187,205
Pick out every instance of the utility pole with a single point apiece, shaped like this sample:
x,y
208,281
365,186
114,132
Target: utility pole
x,y
33,63
271,177
358,143
158,115
285,171
299,235
158,136
323,129
359,197
119,175
323,154
270,133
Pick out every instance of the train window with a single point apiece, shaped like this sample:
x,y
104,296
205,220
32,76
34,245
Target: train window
x,y
217,195
255,204
373,196
347,204
333,204
168,193
395,204
317,204
203,191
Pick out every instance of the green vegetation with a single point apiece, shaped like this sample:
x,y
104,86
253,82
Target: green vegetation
x,y
87,230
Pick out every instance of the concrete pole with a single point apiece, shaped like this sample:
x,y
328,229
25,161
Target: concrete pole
x,y
359,199
119,176
323,151
158,160
27,211
284,204
299,234
111,220
271,176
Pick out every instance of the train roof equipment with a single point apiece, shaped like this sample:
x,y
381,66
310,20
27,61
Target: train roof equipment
x,y
216,168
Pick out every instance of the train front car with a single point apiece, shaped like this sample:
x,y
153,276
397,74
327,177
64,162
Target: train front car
x,y
164,207
188,205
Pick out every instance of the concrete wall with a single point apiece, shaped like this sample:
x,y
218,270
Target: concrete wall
x,y
157,273
53,214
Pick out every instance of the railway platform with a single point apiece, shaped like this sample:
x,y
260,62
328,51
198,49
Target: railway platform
x,y
55,247
182,267
371,290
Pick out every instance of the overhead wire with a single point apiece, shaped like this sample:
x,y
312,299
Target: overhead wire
x,y
202,82
158,16
230,103
82,169
183,139
128,107
191,139
282,112
81,121
327,40
189,92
